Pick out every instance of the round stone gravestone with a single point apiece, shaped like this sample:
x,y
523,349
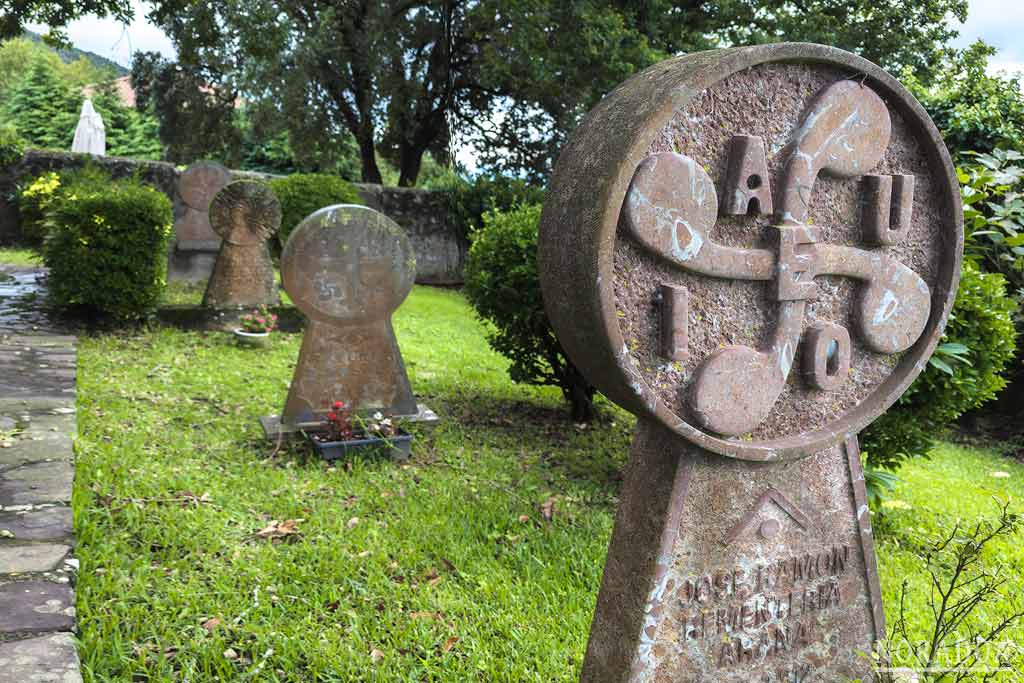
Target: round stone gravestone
x,y
348,268
245,214
197,186
754,250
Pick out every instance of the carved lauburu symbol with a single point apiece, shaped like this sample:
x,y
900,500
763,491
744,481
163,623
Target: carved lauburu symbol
x,y
672,206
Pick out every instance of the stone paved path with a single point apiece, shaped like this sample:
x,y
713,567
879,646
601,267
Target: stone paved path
x,y
37,428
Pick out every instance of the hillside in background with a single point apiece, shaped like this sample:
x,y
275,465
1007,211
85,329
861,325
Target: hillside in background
x,y
73,53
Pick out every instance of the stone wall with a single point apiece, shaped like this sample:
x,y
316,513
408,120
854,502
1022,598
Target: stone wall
x,y
440,254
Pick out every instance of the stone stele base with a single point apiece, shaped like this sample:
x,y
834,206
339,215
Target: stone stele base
x,y
734,571
273,428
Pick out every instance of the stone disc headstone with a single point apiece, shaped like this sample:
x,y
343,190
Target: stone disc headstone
x,y
197,186
755,251
348,268
245,214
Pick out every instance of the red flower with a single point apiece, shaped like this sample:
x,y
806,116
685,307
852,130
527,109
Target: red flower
x,y
339,404
332,416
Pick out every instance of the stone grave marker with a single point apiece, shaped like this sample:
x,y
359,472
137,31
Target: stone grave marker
x,y
197,186
195,242
348,268
755,251
245,214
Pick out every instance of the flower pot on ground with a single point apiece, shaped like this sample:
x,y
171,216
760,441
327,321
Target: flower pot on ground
x,y
343,433
255,327
397,447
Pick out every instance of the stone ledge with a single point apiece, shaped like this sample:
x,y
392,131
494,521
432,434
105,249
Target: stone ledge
x,y
289,318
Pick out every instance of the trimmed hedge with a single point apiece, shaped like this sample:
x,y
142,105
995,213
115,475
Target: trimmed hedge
x,y
503,286
303,193
965,372
106,247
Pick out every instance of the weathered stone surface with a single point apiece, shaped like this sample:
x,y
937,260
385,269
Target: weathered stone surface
x,y
46,524
43,659
36,607
197,186
36,557
348,268
27,450
245,214
36,483
742,548
423,215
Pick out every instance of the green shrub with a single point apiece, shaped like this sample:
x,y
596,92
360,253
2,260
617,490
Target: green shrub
x,y
972,109
993,194
468,201
303,193
12,146
503,285
33,199
106,247
965,372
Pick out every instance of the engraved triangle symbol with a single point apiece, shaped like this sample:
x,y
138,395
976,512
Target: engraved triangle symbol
x,y
769,528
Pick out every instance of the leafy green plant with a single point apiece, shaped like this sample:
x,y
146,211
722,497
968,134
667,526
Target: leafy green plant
x,y
106,247
12,146
469,200
303,193
974,111
993,196
503,285
966,371
33,198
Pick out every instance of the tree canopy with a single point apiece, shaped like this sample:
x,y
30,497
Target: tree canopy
x,y
56,14
511,77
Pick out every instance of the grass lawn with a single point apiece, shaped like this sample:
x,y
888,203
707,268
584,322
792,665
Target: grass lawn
x,y
19,257
444,569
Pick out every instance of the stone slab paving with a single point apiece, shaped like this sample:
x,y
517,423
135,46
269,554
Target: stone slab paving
x,y
37,430
54,654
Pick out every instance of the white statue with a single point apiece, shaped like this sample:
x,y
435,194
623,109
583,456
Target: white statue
x,y
90,135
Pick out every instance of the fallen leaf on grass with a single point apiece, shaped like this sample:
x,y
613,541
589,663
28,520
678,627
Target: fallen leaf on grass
x,y
448,565
436,616
230,654
211,624
547,508
524,518
432,577
449,644
351,524
275,531
376,655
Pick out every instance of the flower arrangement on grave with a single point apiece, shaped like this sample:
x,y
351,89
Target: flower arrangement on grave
x,y
254,328
260,320
343,430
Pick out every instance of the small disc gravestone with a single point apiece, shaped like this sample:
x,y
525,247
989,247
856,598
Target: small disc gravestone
x,y
755,251
348,268
245,214
197,186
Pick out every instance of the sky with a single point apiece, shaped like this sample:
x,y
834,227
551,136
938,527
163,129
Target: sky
x,y
998,22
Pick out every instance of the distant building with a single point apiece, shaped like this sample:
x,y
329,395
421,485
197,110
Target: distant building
x,y
123,88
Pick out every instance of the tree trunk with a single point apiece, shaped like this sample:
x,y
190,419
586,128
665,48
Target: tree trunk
x,y
368,156
410,160
581,397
